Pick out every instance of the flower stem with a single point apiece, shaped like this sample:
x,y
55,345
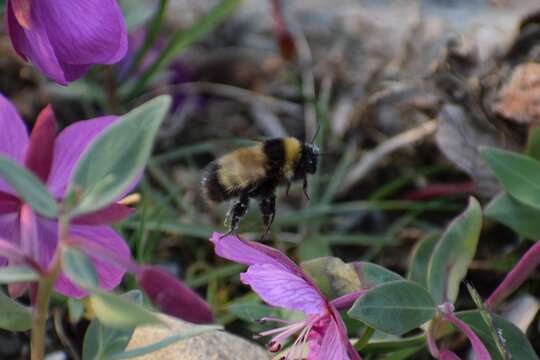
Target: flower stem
x,y
40,312
368,333
517,276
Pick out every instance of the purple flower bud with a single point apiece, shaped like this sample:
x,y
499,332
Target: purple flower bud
x,y
173,297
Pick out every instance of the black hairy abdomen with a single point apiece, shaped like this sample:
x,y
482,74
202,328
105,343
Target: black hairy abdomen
x,y
212,187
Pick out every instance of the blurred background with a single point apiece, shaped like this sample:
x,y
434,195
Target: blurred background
x,y
404,92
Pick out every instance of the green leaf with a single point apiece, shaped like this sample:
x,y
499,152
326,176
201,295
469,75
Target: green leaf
x,y
183,335
517,173
394,307
515,215
418,268
371,275
453,254
15,274
102,342
515,341
78,268
14,316
332,276
116,157
28,187
116,312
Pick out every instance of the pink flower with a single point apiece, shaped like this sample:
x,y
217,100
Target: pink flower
x,y
64,38
280,282
52,159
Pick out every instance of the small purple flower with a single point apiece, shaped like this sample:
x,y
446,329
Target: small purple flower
x,y
280,282
52,159
64,38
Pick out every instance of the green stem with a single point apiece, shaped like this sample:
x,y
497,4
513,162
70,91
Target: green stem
x,y
45,288
368,333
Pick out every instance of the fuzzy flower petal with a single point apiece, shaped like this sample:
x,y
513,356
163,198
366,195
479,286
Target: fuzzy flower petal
x,y
279,287
13,136
69,146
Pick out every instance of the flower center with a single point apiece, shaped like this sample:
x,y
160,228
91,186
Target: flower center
x,y
282,334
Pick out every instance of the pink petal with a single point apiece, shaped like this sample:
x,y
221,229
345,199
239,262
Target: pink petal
x,y
39,153
10,232
332,345
69,146
173,297
73,72
342,329
109,274
21,9
478,346
35,44
279,287
448,355
13,136
30,243
250,253
15,31
8,250
109,215
8,203
84,31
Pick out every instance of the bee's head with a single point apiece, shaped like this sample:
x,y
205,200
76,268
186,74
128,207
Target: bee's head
x,y
311,157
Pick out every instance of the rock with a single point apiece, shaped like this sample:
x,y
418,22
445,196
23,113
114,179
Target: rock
x,y
217,345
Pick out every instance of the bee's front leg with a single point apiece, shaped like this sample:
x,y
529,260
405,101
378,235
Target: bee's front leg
x,y
267,205
236,212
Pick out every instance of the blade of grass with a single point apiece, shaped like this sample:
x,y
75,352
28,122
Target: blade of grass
x,y
339,174
182,39
220,273
151,35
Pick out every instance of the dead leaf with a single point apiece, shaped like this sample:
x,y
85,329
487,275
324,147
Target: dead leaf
x,y
519,99
459,138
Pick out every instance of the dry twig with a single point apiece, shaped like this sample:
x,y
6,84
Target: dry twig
x,y
372,158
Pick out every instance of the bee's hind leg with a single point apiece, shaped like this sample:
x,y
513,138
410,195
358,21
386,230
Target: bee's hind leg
x,y
267,205
236,212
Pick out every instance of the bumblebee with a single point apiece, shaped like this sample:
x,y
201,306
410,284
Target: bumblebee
x,y
256,172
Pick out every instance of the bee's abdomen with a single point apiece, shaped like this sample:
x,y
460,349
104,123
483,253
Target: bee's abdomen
x,y
212,187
